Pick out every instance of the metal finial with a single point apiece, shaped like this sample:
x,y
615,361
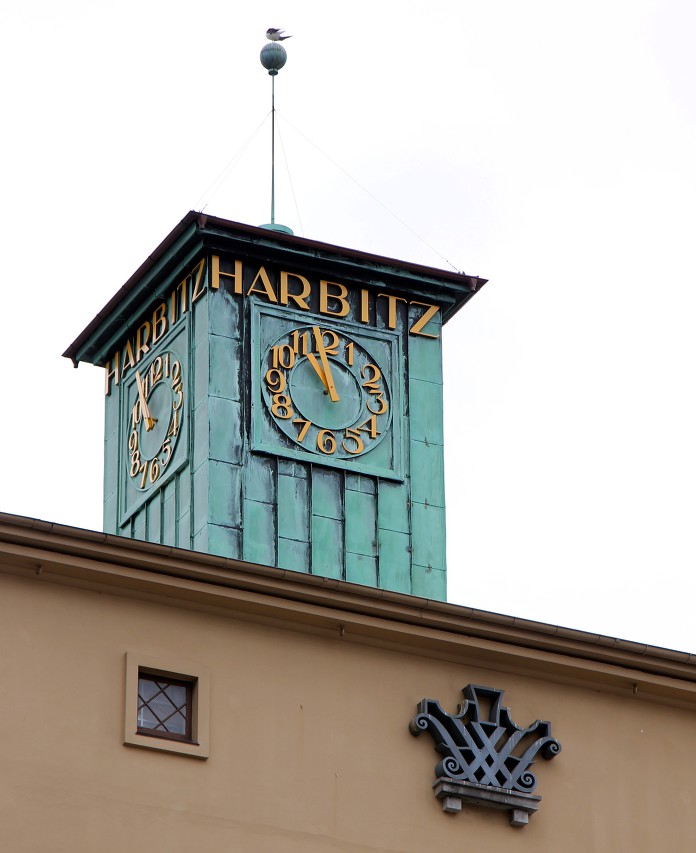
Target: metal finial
x,y
273,58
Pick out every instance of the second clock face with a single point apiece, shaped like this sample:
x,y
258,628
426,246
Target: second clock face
x,y
154,420
326,392
153,436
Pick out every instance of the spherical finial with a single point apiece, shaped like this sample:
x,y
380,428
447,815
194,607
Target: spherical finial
x,y
273,57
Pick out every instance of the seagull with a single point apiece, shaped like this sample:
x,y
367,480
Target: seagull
x,y
275,34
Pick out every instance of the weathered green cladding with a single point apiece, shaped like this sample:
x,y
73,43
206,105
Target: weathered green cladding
x,y
361,569
303,516
342,519
169,519
327,547
395,560
327,492
259,533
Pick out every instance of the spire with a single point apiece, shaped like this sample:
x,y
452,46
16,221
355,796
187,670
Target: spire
x,y
273,58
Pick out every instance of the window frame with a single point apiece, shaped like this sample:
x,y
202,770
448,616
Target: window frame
x,y
176,669
189,686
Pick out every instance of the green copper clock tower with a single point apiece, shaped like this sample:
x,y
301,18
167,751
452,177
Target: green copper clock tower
x,y
279,401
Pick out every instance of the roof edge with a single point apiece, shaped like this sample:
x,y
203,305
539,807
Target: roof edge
x,y
200,222
50,541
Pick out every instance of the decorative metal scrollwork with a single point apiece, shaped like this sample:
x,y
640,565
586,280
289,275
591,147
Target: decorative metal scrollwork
x,y
485,752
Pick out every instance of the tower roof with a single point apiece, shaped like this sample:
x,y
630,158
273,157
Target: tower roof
x,y
198,233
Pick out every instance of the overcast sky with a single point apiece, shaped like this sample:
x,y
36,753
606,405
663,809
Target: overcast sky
x,y
549,147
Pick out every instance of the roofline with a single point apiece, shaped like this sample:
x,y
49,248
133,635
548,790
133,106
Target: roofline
x,y
195,220
119,565
125,289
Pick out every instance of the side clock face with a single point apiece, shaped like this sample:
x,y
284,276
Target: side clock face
x,y
154,420
326,392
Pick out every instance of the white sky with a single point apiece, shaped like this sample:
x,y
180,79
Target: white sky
x,y
547,146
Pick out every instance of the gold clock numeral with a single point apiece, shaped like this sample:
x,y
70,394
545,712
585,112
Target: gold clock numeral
x,y
372,382
326,441
379,396
156,371
332,348
303,431
371,430
281,407
283,356
135,463
353,435
154,469
350,354
167,450
174,426
301,343
275,381
179,402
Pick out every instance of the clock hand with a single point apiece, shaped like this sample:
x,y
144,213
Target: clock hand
x,y
330,387
149,420
318,369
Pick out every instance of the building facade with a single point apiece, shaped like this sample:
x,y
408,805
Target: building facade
x,y
256,654
307,686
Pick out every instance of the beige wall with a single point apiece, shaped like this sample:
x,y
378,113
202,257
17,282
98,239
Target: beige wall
x,y
309,742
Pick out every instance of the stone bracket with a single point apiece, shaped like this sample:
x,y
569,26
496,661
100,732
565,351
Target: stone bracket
x,y
453,793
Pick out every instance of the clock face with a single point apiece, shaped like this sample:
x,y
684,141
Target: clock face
x,y
154,420
153,433
326,392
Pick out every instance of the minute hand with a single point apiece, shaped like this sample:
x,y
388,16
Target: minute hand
x,y
321,349
144,408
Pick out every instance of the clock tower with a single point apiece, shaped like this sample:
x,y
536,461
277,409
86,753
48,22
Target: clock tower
x,y
277,400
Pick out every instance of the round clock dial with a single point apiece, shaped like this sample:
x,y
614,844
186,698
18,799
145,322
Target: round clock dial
x,y
326,392
154,420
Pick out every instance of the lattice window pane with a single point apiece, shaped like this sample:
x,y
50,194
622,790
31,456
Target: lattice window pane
x,y
164,706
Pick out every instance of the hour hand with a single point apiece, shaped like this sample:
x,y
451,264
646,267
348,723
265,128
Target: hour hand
x,y
149,420
314,361
327,378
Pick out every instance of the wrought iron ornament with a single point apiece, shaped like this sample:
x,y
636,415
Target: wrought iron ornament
x,y
486,756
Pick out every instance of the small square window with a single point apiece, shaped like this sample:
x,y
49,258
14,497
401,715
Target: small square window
x,y
167,705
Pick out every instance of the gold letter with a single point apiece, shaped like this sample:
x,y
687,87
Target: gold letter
x,y
141,346
128,360
364,306
429,314
324,297
391,320
183,287
111,373
159,322
266,289
297,298
215,274
198,272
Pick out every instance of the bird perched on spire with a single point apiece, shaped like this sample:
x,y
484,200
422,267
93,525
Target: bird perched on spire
x,y
275,34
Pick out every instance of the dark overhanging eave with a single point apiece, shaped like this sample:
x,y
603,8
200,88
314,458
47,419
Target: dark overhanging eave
x,y
213,228
75,352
